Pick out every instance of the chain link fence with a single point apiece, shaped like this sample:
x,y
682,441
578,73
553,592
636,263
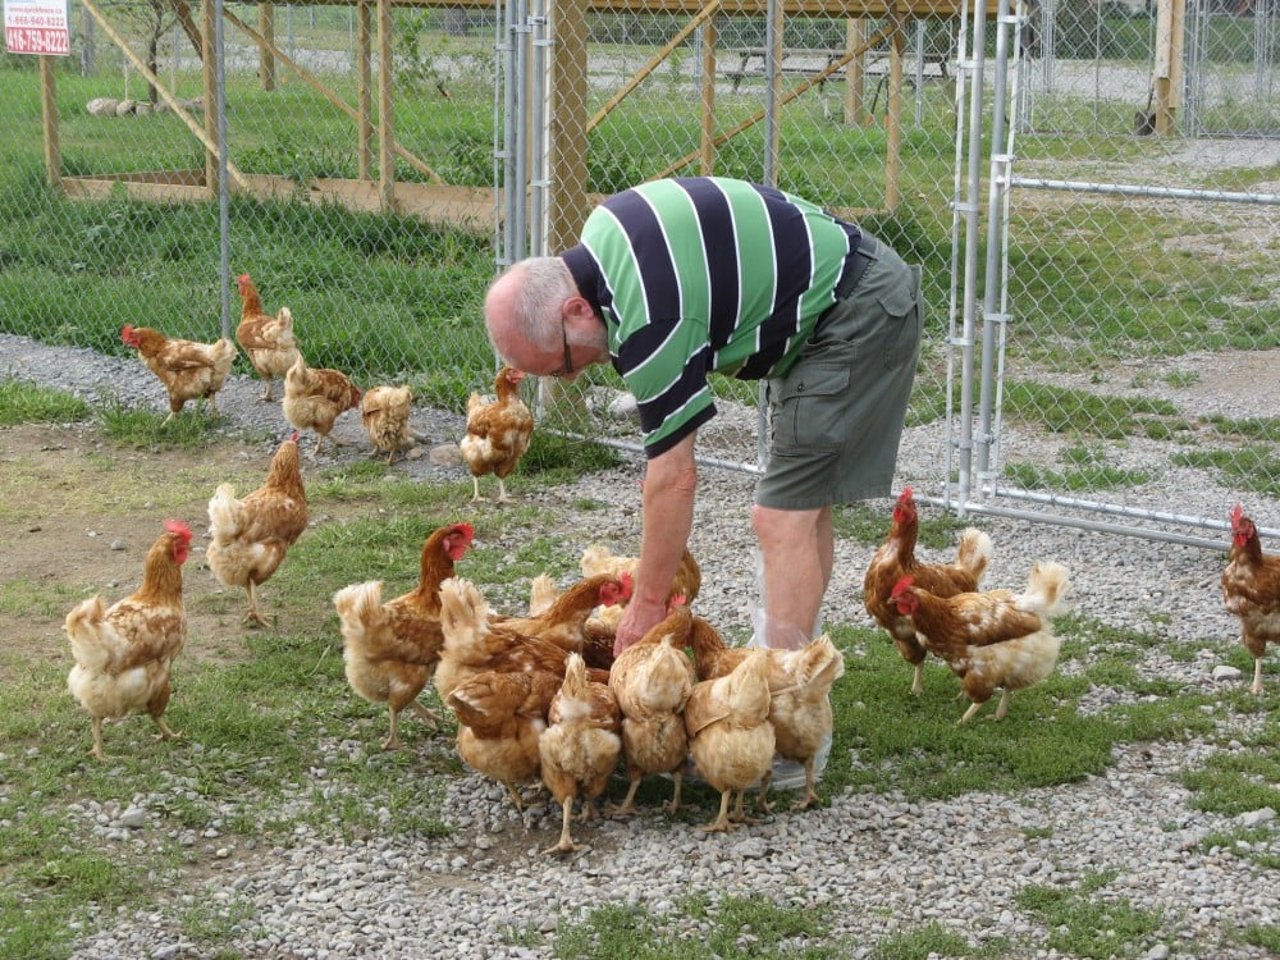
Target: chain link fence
x,y
385,286
1107,347
1134,323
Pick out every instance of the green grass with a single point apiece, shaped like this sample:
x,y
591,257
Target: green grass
x,y
933,940
737,928
23,402
1252,468
1082,923
870,524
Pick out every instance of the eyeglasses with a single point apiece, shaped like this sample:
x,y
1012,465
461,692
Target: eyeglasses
x,y
567,367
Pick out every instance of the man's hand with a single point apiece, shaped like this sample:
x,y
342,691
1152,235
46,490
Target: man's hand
x,y
639,619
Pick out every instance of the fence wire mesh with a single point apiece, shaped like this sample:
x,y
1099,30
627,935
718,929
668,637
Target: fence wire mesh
x,y
1141,375
1137,369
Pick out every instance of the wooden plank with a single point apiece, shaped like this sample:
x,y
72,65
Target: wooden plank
x,y
893,114
1170,34
49,117
834,9
855,78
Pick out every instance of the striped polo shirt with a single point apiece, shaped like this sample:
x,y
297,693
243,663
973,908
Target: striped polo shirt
x,y
701,274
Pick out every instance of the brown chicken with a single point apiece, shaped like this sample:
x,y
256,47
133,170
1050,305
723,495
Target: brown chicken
x,y
501,717
652,681
598,558
799,682
188,370
598,630
268,340
251,536
124,653
712,657
896,559
391,649
498,432
475,642
730,737
313,399
1251,591
580,747
800,708
385,413
564,621
991,640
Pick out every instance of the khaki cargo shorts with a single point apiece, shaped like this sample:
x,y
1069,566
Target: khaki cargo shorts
x,y
836,418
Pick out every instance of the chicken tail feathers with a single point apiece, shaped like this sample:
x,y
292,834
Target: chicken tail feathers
x,y
358,605
974,552
226,514
92,645
1047,587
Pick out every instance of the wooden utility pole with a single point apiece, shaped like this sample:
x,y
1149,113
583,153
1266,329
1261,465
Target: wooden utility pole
x,y
567,204
364,87
386,132
49,107
1170,34
266,58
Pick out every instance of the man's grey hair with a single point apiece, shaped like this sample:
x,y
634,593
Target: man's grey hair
x,y
544,286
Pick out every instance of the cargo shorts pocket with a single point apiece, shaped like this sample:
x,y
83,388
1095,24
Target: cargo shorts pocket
x,y
810,411
902,305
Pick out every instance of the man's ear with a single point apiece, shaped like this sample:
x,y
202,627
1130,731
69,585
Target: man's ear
x,y
577,308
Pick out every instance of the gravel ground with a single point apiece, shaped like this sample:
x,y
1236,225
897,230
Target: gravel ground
x,y
886,865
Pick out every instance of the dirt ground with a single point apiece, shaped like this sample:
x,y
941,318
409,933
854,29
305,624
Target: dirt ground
x,y
77,516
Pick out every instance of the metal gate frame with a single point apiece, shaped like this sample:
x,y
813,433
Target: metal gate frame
x,y
979,489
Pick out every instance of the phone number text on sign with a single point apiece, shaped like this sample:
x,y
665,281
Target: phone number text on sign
x,y
35,40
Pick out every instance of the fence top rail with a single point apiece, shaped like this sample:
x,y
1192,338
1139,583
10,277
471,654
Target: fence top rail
x,y
848,9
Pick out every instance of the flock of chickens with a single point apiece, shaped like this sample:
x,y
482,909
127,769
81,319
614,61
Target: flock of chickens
x,y
498,431
542,696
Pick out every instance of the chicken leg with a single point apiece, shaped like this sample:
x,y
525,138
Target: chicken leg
x,y
253,617
628,807
475,486
1003,706
425,714
1256,689
269,394
165,732
393,739
721,823
565,844
673,805
96,751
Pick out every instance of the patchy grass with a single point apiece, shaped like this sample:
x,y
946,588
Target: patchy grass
x,y
23,402
870,524
1081,924
735,928
1252,468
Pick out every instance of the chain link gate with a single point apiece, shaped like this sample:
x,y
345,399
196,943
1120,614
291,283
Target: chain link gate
x,y
1125,362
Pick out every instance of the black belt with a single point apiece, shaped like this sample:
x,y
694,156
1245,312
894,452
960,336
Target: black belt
x,y
855,265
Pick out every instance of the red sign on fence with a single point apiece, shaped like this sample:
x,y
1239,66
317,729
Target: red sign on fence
x,y
37,26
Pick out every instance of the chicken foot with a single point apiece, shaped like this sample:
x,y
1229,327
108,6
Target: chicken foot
x,y
565,844
739,815
515,795
721,824
425,714
810,794
1003,706
917,684
628,807
673,805
269,394
96,751
253,617
165,732
393,738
